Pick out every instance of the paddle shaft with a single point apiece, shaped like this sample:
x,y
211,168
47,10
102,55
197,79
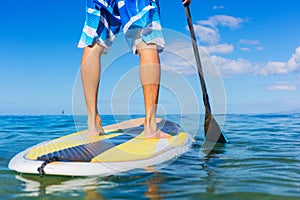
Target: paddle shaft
x,y
212,129
198,62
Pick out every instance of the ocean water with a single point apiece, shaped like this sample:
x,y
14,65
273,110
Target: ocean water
x,y
261,162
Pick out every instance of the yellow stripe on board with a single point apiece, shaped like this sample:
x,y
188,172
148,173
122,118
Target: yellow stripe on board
x,y
83,133
65,142
179,140
139,148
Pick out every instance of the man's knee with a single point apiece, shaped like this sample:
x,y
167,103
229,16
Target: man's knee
x,y
94,48
143,48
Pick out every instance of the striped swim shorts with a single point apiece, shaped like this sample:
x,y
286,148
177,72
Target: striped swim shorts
x,y
138,19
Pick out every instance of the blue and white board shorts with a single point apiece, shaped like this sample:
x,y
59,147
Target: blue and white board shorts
x,y
139,19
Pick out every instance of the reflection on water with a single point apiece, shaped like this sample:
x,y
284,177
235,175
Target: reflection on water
x,y
89,187
210,151
37,186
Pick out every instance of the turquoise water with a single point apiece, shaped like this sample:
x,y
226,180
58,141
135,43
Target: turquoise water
x,y
261,162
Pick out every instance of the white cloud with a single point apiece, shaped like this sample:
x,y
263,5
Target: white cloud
x,y
282,86
219,49
215,7
292,65
207,30
251,42
179,57
247,45
245,49
206,34
240,66
259,48
273,68
230,67
222,20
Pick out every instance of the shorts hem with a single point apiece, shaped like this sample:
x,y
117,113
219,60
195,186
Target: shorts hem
x,y
157,41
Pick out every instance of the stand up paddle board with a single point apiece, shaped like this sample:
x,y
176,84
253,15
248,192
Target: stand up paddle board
x,y
122,148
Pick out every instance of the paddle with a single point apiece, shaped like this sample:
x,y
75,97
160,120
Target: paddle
x,y
212,130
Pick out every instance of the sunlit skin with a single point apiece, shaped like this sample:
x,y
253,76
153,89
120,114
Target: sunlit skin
x,y
186,2
149,77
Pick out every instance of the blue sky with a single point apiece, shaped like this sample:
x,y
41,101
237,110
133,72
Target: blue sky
x,y
254,47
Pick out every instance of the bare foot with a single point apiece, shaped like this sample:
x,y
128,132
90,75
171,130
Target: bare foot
x,y
95,131
95,127
155,134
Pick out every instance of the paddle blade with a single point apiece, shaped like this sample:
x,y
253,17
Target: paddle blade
x,y
213,132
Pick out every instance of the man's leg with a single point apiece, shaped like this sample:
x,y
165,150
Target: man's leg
x,y
90,75
150,79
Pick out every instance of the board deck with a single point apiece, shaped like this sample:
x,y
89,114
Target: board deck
x,y
122,148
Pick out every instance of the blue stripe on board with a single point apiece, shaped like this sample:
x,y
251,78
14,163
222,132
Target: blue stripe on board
x,y
86,152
